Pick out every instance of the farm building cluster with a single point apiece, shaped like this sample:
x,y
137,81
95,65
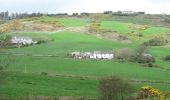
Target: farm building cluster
x,y
20,40
98,55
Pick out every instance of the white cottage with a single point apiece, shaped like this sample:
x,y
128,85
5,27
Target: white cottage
x,y
108,55
22,40
102,55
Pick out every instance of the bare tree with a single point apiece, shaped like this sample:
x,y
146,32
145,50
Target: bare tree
x,y
123,54
114,88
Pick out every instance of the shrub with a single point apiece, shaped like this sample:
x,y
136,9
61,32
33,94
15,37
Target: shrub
x,y
44,73
140,35
155,42
114,88
94,26
41,40
150,64
10,26
167,20
142,59
4,40
167,58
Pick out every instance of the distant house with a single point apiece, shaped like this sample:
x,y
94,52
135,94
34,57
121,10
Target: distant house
x,y
106,55
127,12
22,40
124,13
102,55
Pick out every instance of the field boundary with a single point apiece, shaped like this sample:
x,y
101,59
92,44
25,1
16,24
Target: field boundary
x,y
130,80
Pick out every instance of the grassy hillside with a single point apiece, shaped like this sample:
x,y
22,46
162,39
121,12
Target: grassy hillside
x,y
65,42
73,77
72,22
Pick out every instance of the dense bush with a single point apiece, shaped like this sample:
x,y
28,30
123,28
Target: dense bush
x,y
142,59
10,26
150,64
4,40
155,42
94,27
41,40
167,58
44,73
167,20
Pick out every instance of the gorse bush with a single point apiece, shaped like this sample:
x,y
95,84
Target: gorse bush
x,y
94,26
155,42
10,26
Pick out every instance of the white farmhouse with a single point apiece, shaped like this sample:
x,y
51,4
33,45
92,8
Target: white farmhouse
x,y
99,55
102,55
22,40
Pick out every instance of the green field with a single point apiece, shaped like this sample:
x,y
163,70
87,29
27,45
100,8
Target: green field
x,y
72,22
115,26
20,85
86,68
73,77
154,30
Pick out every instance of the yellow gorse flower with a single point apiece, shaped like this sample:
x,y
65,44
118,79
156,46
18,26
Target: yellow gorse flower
x,y
153,92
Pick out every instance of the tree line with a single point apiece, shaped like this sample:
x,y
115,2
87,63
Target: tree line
x,y
4,16
9,16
